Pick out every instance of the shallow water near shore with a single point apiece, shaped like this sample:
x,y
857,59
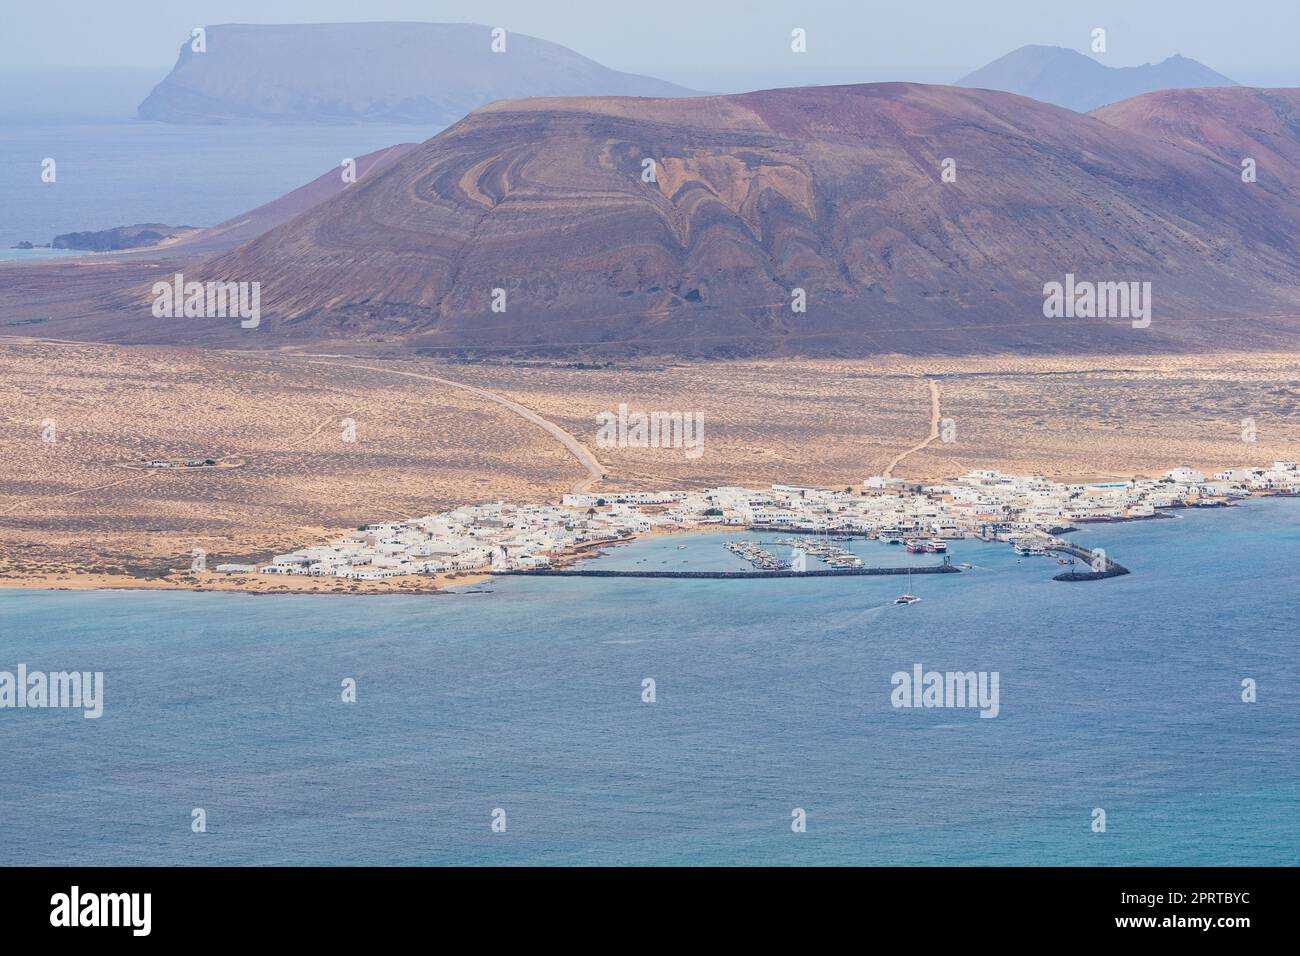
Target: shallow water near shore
x,y
1122,694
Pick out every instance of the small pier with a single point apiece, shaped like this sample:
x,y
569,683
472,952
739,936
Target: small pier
x,y
1109,568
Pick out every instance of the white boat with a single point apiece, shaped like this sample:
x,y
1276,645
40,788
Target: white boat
x,y
908,597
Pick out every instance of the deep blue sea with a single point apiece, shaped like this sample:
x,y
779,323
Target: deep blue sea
x,y
1122,694
126,172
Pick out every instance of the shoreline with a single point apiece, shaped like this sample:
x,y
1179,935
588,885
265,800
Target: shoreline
x,y
440,584
278,584
460,582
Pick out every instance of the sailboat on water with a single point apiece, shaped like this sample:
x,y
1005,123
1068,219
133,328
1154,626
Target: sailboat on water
x,y
908,597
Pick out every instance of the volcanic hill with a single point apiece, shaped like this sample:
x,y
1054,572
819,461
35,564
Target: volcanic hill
x,y
836,191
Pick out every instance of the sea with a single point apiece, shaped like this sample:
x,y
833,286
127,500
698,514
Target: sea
x,y
524,703
121,172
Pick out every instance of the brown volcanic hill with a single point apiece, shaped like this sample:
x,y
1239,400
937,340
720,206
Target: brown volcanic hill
x,y
835,190
1227,125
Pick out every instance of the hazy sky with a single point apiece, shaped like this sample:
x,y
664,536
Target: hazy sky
x,y
671,36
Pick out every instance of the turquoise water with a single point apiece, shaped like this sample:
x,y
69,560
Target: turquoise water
x,y
1121,694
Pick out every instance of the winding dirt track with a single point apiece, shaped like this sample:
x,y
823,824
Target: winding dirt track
x,y
595,471
934,430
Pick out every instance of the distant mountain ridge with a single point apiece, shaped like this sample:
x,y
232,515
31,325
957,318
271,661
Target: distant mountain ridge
x,y
341,73
1065,77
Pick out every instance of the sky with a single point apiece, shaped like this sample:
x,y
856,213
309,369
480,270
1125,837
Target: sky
x,y
678,39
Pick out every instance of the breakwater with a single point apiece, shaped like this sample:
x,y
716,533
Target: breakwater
x,y
1109,568
944,568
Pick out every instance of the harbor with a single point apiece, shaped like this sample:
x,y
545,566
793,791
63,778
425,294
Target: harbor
x,y
1028,513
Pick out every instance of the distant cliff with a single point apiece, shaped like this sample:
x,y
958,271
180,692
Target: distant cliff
x,y
340,73
1064,77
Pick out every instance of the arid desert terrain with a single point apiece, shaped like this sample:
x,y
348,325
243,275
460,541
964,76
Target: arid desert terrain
x,y
308,445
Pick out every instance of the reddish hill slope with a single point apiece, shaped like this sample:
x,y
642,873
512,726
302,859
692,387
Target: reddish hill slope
x,y
1227,125
834,190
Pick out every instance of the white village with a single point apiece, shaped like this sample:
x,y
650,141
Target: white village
x,y
989,505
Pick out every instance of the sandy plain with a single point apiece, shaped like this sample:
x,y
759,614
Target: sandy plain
x,y
313,444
